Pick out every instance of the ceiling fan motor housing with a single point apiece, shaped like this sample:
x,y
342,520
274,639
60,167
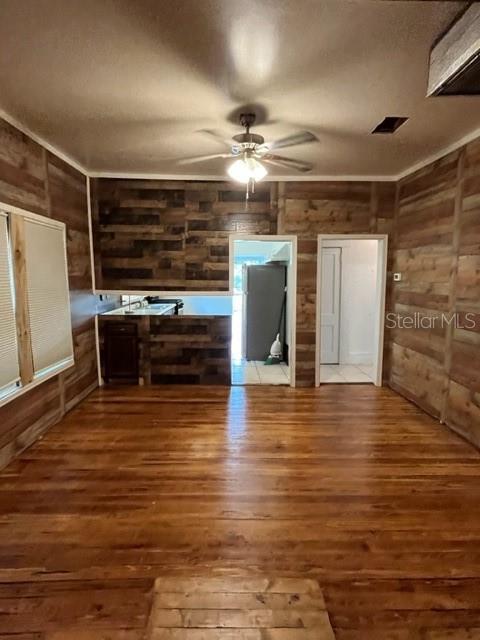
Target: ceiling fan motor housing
x,y
248,140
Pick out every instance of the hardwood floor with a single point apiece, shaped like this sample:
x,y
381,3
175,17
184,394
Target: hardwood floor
x,y
238,609
348,485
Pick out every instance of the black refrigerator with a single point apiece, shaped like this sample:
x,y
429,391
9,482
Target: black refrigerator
x,y
264,308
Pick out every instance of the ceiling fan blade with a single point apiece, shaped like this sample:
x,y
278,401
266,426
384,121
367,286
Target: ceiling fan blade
x,y
302,137
216,135
289,163
212,156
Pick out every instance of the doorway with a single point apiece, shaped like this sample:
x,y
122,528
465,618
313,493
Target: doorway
x,y
263,290
351,280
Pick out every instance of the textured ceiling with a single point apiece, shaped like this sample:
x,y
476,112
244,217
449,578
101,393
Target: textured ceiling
x,y
124,86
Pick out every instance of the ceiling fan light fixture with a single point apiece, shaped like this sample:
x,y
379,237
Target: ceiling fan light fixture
x,y
246,170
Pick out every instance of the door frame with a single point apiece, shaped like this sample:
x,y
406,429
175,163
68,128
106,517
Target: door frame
x,y
380,298
292,305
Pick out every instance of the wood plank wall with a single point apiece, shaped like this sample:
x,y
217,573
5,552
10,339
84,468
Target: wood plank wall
x,y
307,209
437,249
424,254
160,235
190,349
462,409
147,230
33,179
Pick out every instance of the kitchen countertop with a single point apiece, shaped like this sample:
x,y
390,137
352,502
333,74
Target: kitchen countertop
x,y
151,310
193,307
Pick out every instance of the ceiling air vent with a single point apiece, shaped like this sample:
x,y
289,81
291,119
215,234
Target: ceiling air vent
x,y
389,124
455,58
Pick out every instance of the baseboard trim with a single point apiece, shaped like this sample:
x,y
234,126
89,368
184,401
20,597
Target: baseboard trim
x,y
81,396
35,431
28,436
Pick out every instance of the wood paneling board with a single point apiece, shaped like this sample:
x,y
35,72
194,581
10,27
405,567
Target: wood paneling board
x,y
437,250
160,235
348,485
180,349
463,399
33,179
190,349
24,419
22,171
424,254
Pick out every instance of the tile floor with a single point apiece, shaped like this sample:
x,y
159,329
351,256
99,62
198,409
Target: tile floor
x,y
343,373
257,372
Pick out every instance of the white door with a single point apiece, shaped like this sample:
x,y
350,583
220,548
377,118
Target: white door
x,y
330,306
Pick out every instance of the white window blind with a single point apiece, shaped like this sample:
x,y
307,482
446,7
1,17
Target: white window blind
x,y
9,372
48,296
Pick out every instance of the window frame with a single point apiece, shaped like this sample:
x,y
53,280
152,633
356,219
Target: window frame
x,y
54,370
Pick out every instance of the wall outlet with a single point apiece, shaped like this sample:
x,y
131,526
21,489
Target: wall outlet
x,y
397,277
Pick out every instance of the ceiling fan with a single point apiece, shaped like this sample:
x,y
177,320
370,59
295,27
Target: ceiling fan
x,y
251,152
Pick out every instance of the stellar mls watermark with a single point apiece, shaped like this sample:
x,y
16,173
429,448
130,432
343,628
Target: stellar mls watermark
x,y
419,320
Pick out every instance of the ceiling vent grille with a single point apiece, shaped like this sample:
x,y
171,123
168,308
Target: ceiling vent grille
x,y
389,124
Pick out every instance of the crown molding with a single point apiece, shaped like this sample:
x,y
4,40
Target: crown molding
x,y
470,137
41,141
225,178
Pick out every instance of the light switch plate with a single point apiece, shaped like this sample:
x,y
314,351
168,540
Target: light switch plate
x,y
397,277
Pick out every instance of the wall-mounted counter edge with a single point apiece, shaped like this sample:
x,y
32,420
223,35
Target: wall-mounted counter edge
x,y
151,292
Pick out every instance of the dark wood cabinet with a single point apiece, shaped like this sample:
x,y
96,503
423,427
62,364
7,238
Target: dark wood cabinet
x,y
121,351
